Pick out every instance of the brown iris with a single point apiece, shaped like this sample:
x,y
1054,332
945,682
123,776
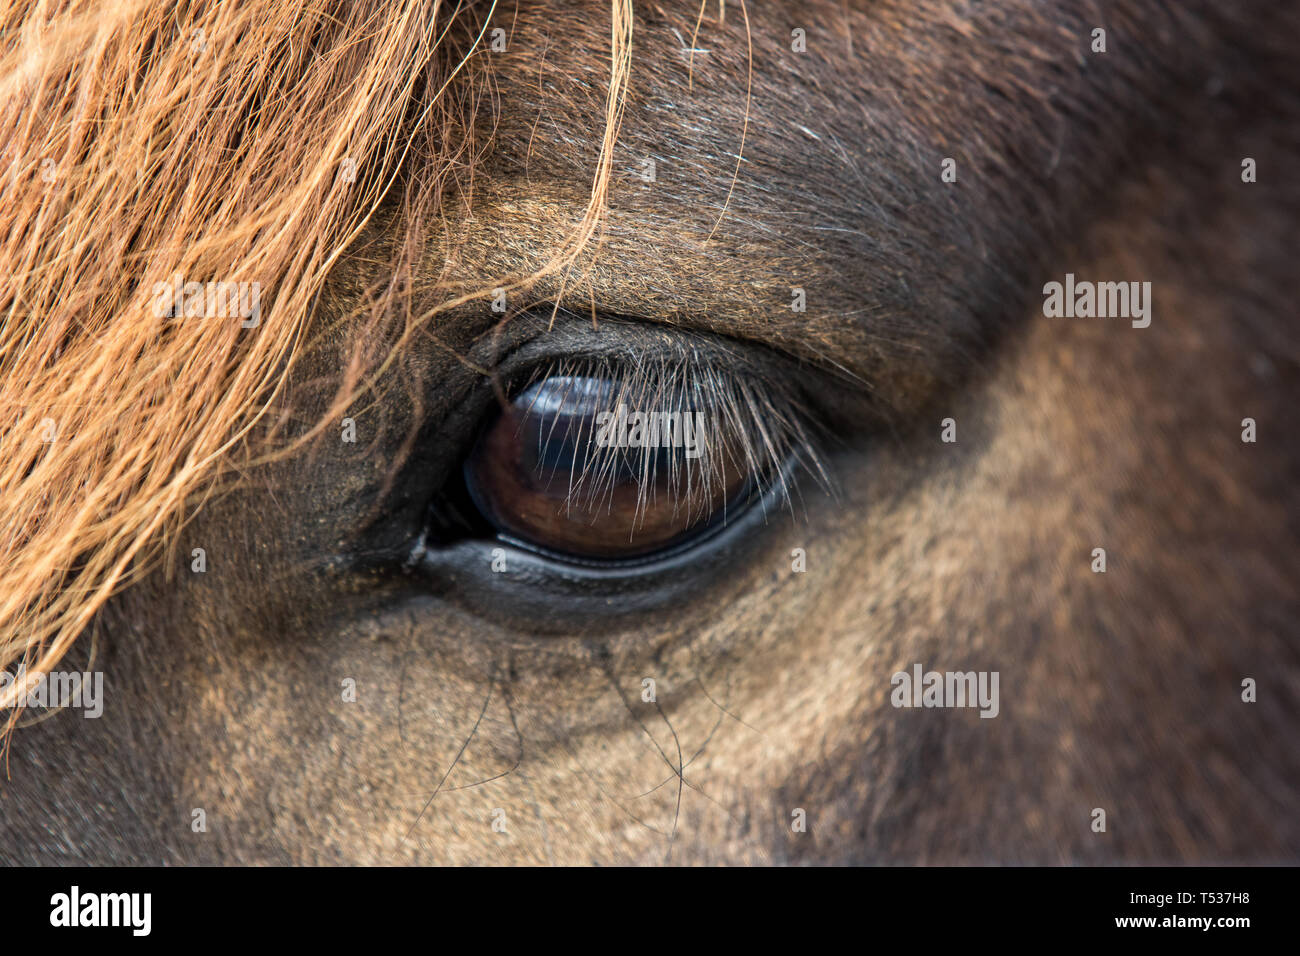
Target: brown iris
x,y
573,466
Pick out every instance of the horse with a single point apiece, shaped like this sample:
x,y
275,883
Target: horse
x,y
964,569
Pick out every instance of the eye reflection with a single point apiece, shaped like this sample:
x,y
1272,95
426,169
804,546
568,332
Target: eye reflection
x,y
572,465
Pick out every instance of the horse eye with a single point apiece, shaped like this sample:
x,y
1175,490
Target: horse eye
x,y
570,466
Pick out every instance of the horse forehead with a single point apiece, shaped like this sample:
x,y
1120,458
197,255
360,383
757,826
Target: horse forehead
x,y
723,197
754,169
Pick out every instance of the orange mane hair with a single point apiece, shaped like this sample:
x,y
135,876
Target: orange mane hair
x,y
142,140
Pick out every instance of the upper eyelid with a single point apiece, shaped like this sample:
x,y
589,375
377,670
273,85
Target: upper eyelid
x,y
631,338
532,333
844,406
530,347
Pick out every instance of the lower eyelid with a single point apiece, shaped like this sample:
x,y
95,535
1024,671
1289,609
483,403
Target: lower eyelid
x,y
520,587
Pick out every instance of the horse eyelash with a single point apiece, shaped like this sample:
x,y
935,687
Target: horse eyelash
x,y
769,432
